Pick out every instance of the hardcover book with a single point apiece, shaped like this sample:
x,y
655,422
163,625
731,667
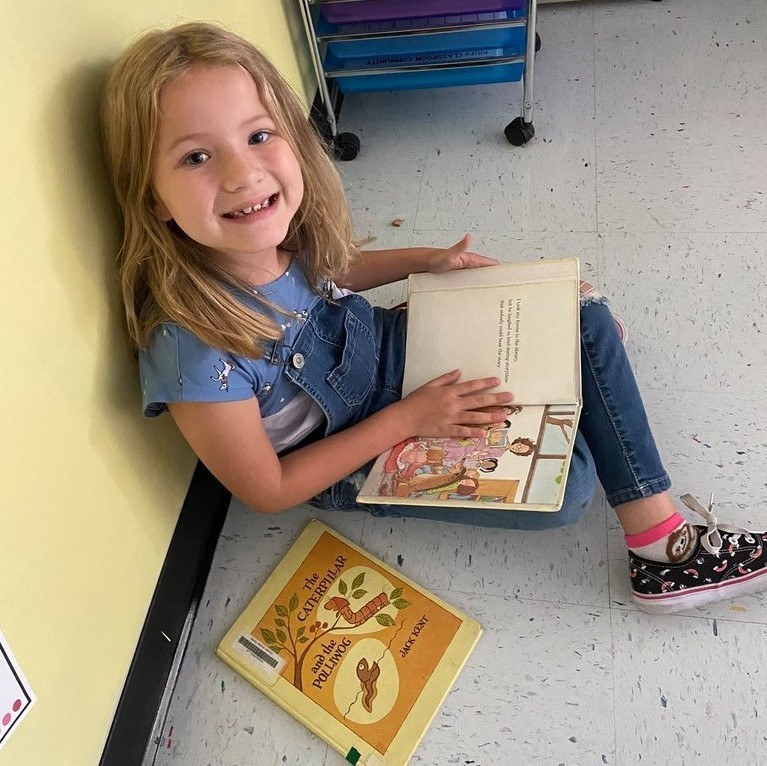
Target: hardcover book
x,y
520,323
350,647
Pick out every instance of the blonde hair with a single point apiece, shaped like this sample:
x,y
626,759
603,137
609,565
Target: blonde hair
x,y
167,276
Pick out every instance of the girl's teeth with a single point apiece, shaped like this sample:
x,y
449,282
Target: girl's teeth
x,y
247,210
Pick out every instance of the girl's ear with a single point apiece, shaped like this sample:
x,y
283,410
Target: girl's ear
x,y
162,212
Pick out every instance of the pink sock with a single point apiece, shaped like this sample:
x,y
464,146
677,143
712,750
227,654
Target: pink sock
x,y
672,540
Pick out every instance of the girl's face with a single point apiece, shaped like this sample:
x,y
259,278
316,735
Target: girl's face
x,y
520,448
222,172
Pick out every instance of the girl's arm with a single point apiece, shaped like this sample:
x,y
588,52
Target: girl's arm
x,y
381,267
229,437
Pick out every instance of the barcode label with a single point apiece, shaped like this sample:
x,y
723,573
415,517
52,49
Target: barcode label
x,y
259,652
269,661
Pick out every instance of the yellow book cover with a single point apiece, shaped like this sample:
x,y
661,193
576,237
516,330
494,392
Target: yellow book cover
x,y
521,324
356,651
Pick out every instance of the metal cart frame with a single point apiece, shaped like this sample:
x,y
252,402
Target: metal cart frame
x,y
346,145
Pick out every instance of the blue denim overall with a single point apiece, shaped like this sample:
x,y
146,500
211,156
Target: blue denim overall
x,y
349,357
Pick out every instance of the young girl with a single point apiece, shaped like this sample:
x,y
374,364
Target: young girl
x,y
239,278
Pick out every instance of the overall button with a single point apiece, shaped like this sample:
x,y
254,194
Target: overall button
x,y
298,361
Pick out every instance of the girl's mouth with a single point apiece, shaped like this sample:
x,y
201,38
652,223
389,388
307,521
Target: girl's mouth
x,y
268,202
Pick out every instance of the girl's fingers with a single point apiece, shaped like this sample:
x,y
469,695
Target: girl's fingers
x,y
445,379
474,418
462,245
486,402
475,396
476,261
486,416
477,384
466,432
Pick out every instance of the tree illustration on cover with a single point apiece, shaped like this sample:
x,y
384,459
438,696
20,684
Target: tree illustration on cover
x,y
352,610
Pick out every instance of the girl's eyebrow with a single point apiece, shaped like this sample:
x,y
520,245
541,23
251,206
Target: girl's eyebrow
x,y
198,136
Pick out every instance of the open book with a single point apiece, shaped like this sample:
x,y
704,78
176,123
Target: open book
x,y
517,322
354,650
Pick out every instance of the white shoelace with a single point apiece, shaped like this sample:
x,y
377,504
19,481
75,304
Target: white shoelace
x,y
712,540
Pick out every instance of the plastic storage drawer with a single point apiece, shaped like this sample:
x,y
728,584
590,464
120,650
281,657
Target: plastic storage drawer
x,y
377,10
509,38
485,71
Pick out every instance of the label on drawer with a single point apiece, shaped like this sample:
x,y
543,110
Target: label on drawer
x,y
436,57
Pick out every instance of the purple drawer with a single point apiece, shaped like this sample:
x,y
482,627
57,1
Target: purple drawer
x,y
379,10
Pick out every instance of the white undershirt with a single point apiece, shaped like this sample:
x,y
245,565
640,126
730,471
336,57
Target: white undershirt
x,y
301,415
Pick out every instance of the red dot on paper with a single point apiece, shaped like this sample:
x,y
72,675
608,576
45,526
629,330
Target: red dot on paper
x,y
6,719
16,706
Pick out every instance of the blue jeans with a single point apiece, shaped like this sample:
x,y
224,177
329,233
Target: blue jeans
x,y
614,443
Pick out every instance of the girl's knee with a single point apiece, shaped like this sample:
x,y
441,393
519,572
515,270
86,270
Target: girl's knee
x,y
572,509
581,485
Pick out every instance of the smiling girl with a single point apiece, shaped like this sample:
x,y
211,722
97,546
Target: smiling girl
x,y
240,281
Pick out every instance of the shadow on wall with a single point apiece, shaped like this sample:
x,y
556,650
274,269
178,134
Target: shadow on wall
x,y
298,39
83,256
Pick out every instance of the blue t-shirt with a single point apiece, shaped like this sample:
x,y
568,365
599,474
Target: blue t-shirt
x,y
179,367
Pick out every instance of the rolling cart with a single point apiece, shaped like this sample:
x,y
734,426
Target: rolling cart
x,y
374,45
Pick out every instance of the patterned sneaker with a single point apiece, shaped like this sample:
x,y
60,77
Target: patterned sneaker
x,y
728,561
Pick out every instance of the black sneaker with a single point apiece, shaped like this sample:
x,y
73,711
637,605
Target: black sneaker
x,y
728,561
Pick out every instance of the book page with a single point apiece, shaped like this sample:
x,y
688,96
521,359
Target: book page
x,y
524,334
547,270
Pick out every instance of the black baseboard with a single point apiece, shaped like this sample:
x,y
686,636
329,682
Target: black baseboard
x,y
177,595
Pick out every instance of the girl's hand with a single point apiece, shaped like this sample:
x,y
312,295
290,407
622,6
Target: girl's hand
x,y
445,407
457,257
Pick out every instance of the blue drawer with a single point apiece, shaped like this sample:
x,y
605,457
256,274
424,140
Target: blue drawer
x,y
441,78
509,38
376,10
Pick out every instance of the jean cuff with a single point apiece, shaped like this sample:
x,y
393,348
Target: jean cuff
x,y
647,489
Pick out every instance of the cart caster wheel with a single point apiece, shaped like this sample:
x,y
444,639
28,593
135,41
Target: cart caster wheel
x,y
537,42
519,132
346,146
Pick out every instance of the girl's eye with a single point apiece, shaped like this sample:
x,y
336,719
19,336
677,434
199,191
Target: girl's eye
x,y
195,158
259,137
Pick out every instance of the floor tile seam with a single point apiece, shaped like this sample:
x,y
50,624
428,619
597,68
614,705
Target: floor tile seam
x,y
647,232
525,599
708,392
709,618
515,233
697,232
424,168
613,659
686,114
519,231
595,168
561,115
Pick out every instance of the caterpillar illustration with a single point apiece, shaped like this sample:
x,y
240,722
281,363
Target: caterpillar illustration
x,y
341,606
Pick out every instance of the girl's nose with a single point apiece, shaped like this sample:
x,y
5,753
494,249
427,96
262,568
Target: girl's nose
x,y
239,169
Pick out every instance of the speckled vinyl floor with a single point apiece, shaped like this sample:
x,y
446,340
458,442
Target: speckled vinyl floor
x,y
650,164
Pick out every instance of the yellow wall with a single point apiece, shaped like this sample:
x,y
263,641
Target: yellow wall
x,y
89,492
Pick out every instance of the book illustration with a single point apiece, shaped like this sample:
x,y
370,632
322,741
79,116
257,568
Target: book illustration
x,y
368,675
355,639
521,460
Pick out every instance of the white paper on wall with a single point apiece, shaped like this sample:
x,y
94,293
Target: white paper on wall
x,y
16,696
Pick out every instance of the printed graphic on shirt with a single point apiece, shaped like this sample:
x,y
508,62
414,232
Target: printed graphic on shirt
x,y
222,375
